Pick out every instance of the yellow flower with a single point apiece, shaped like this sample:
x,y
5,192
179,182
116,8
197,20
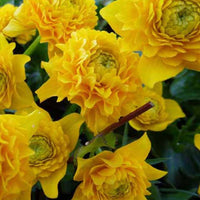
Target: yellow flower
x,y
14,92
197,141
167,32
164,112
17,177
121,175
56,20
20,27
6,14
94,73
52,144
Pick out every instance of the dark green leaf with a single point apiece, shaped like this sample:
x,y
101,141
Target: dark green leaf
x,y
173,194
186,86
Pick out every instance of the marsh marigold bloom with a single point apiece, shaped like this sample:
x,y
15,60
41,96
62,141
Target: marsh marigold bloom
x,y
20,27
94,73
164,112
121,175
167,32
56,20
52,143
6,14
16,177
14,92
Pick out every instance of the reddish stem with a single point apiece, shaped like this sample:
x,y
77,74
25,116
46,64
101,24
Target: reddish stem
x,y
125,119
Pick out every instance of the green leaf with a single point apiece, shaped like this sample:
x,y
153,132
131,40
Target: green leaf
x,y
94,146
125,136
155,161
186,86
110,140
173,194
155,194
3,2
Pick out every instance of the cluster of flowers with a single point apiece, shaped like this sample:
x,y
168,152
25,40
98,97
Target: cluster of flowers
x,y
99,72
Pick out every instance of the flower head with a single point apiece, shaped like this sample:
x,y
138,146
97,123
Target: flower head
x,y
14,93
56,20
17,177
164,112
52,143
6,14
94,73
20,27
121,175
167,32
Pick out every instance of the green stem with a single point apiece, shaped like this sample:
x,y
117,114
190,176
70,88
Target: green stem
x,y
125,136
33,46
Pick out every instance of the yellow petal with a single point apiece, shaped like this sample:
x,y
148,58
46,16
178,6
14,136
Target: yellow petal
x,y
173,109
153,70
26,195
79,195
109,13
18,66
140,197
22,97
150,51
158,88
192,65
198,191
138,149
153,173
50,184
197,141
47,90
71,125
84,165
32,121
4,43
137,125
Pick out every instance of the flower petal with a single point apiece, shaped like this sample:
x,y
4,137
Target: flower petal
x,y
50,184
18,66
22,97
197,141
173,109
138,149
153,173
84,165
153,70
71,125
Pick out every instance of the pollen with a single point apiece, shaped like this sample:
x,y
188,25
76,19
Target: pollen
x,y
180,18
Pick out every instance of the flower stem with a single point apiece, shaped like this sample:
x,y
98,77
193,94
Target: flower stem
x,y
33,46
123,120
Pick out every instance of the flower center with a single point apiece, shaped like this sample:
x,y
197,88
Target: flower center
x,y
103,62
117,190
157,113
43,149
180,18
104,59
